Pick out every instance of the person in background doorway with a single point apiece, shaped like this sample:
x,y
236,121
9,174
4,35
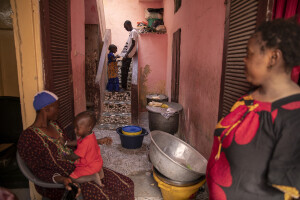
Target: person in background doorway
x,y
128,52
113,80
256,151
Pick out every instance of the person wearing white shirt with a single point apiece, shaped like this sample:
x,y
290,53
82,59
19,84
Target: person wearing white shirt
x,y
128,52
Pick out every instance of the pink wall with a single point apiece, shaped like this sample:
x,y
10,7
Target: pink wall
x,y
117,11
202,34
152,52
152,47
91,12
77,54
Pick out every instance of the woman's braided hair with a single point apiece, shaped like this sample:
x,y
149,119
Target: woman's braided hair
x,y
285,36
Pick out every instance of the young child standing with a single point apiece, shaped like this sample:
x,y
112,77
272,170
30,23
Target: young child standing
x,y
113,80
87,156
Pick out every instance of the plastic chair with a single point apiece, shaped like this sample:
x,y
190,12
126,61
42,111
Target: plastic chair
x,y
28,174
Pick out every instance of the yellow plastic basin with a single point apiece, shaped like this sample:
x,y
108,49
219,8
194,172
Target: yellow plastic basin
x,y
131,130
170,192
128,133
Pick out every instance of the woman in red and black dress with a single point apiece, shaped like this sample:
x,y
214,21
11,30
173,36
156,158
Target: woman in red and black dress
x,y
41,148
256,150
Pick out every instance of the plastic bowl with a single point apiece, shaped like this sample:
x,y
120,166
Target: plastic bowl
x,y
131,141
131,130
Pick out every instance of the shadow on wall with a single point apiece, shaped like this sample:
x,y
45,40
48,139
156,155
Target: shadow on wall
x,y
145,88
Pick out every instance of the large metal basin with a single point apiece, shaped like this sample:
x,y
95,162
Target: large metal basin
x,y
174,158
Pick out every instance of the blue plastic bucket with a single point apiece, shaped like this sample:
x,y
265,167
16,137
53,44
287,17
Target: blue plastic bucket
x,y
131,141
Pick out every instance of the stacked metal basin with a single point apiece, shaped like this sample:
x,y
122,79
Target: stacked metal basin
x,y
174,158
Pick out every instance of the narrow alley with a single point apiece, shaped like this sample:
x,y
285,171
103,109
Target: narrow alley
x,y
149,99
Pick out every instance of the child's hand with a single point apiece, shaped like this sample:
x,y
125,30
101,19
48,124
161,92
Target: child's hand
x,y
105,140
62,157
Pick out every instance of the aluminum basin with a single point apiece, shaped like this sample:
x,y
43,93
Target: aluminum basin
x,y
174,158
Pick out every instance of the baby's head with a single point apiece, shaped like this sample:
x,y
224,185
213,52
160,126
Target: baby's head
x,y
84,123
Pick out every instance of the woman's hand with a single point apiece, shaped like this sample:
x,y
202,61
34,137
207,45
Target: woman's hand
x,y
66,182
105,140
62,140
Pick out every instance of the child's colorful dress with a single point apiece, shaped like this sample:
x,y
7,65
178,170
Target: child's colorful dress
x,y
113,80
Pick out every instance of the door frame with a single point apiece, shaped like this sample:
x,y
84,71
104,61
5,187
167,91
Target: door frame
x,y
175,66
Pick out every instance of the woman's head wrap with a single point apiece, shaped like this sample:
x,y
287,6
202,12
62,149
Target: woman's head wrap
x,y
44,98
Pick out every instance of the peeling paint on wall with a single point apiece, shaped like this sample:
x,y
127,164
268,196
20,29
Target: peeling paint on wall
x,y
158,88
144,73
92,48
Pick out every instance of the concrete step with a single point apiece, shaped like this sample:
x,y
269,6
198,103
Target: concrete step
x,y
116,118
117,96
117,106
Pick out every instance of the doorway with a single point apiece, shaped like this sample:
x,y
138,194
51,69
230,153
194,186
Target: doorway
x,y
9,85
175,66
93,46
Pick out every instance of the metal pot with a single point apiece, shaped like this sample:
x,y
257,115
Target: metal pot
x,y
156,97
174,158
158,122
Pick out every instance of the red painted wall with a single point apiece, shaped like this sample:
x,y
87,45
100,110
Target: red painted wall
x,y
202,35
153,52
91,12
78,54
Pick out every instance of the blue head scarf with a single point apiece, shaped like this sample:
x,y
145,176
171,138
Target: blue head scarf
x,y
44,98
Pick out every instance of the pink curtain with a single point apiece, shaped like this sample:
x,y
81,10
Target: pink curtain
x,y
286,9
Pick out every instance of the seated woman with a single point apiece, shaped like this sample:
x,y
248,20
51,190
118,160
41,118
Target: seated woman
x,y
40,147
256,150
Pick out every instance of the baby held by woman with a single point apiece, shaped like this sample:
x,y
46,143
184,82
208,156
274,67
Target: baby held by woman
x,y
87,156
